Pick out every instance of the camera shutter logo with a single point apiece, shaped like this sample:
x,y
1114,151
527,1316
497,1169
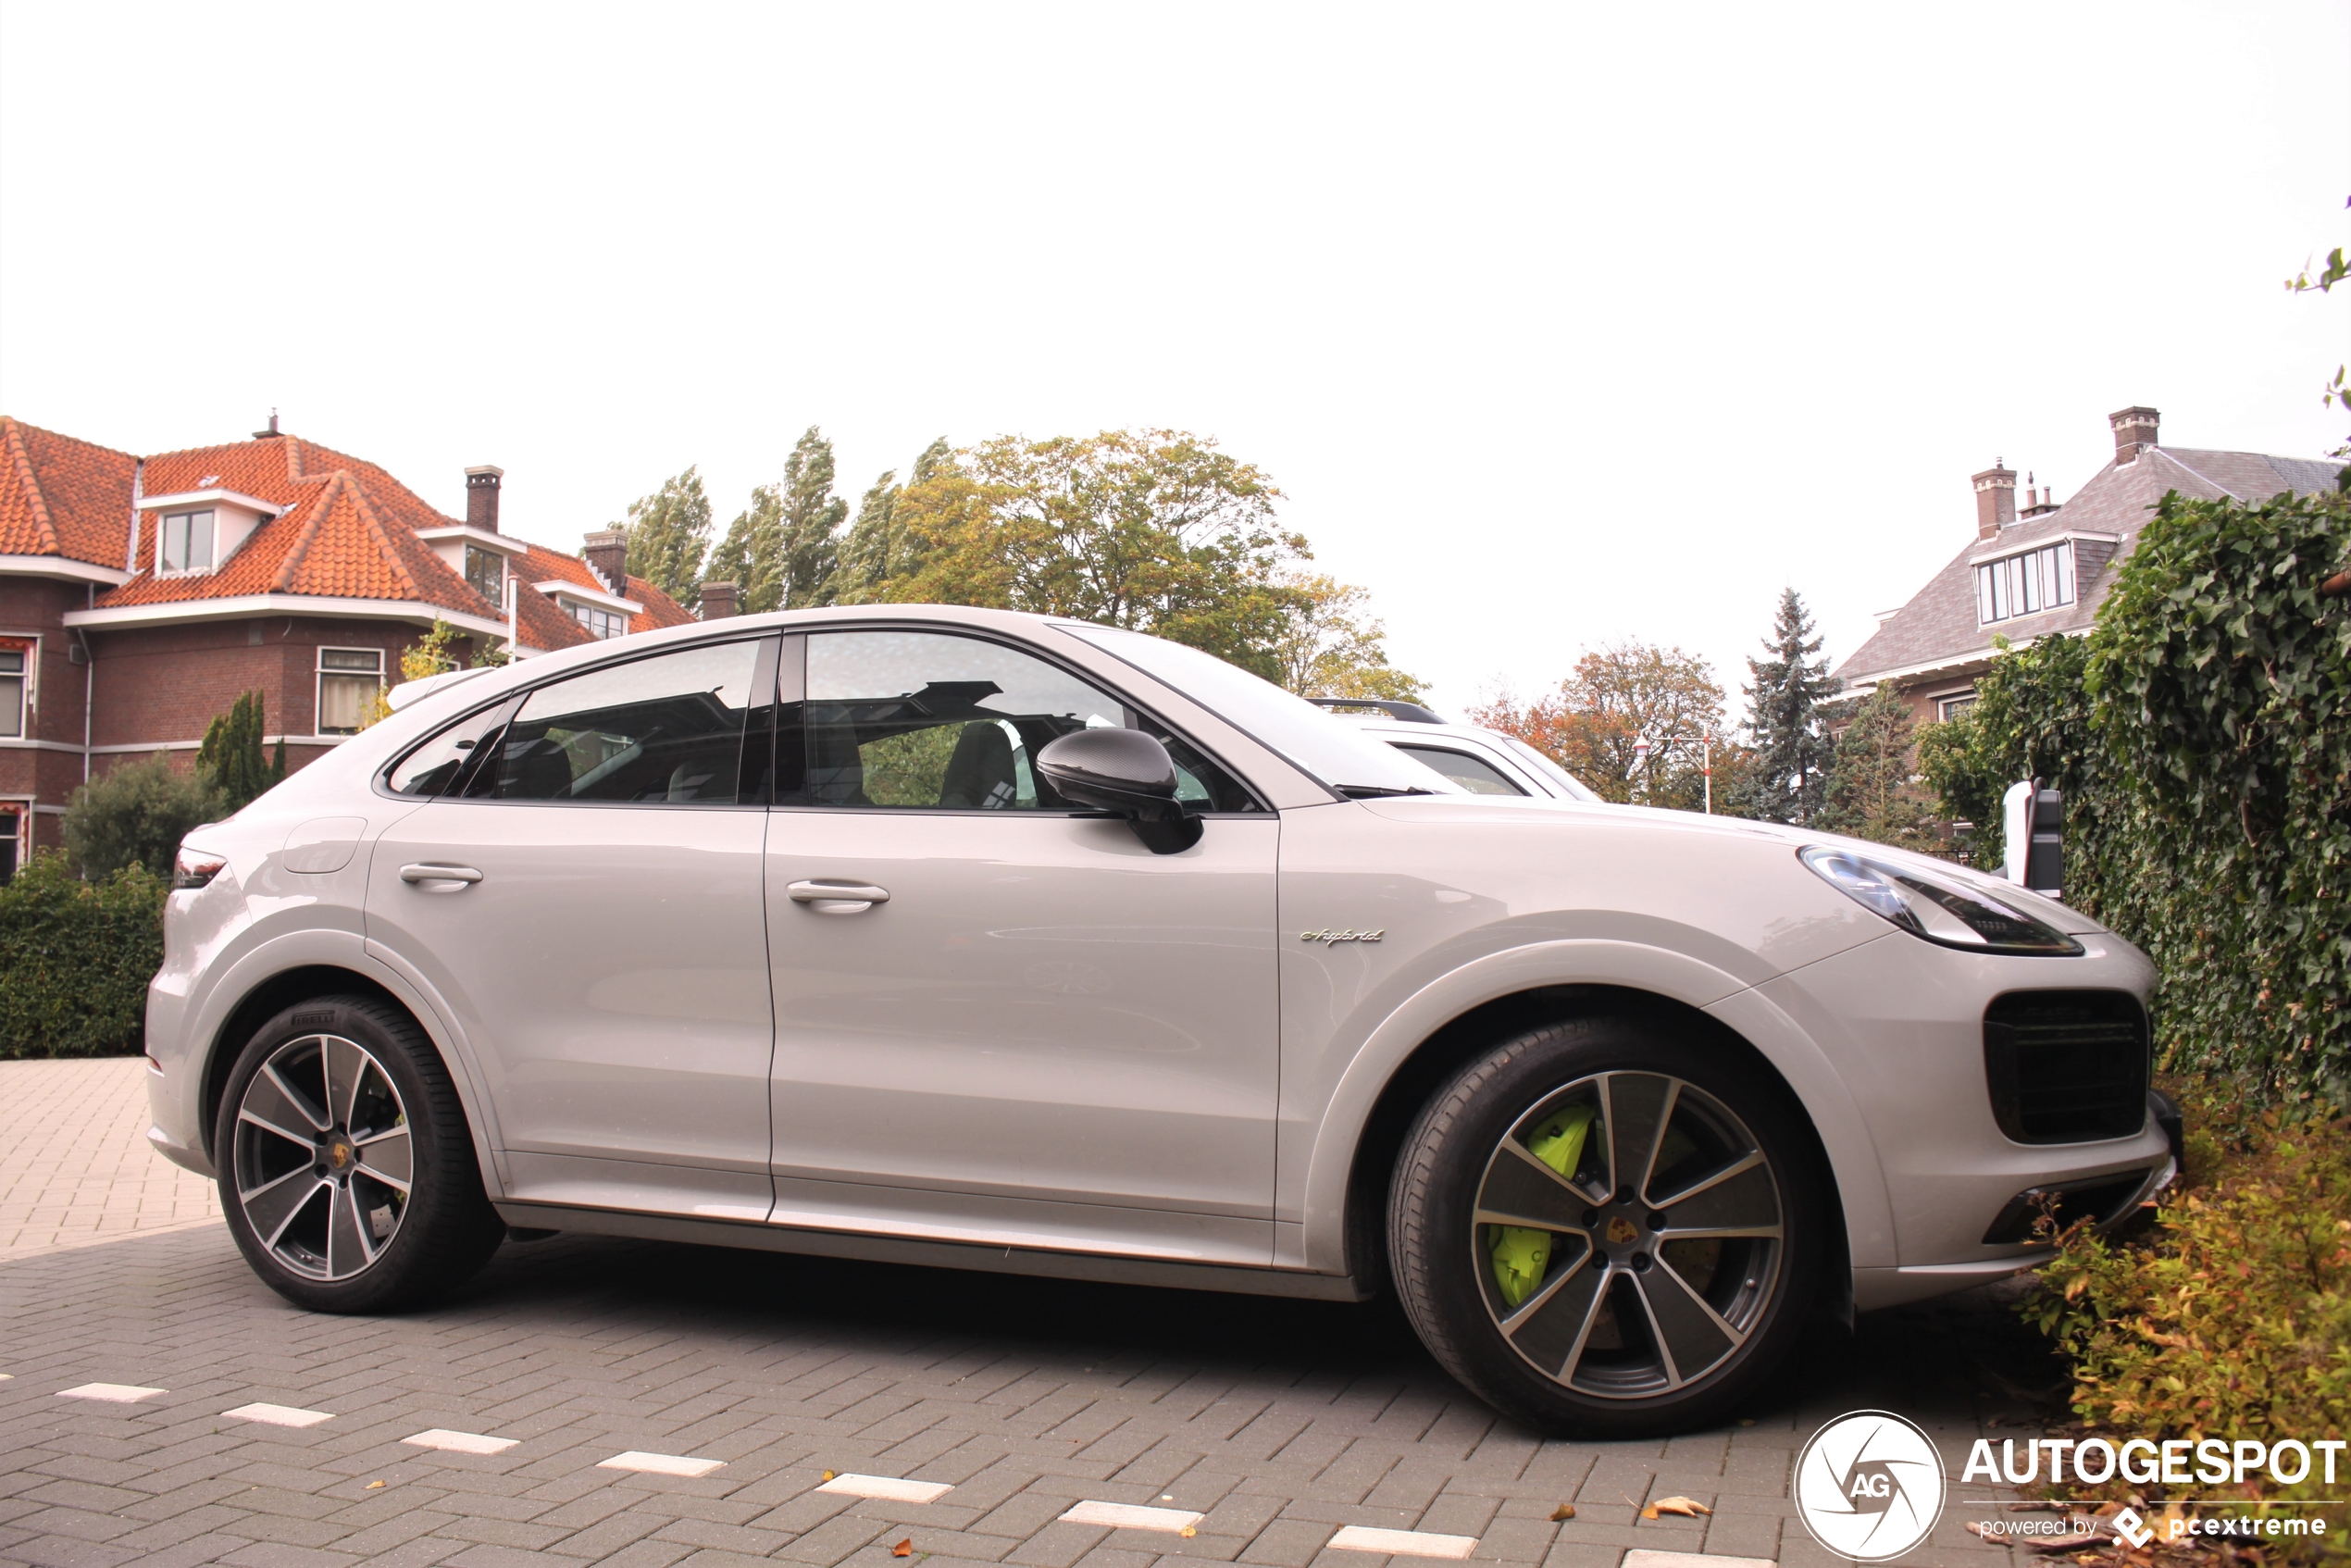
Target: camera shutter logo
x,y
1868,1485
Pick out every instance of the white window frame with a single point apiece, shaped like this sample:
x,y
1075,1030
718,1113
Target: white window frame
x,y
318,692
593,616
23,813
467,552
2025,582
28,703
211,517
1952,706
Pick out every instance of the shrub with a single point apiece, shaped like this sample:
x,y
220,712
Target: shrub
x,y
231,756
2232,1318
2202,736
76,957
136,814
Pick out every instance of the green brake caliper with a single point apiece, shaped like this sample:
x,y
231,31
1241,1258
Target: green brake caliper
x,y
1521,1253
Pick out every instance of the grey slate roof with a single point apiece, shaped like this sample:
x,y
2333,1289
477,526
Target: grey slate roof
x,y
1937,630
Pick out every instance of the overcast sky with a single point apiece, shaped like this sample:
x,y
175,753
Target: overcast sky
x,y
1555,325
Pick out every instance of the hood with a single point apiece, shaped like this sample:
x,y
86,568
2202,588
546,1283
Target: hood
x,y
1492,808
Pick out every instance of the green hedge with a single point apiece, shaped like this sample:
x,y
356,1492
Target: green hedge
x,y
2202,734
75,959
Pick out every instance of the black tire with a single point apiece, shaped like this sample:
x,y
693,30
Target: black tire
x,y
1583,1353
312,1193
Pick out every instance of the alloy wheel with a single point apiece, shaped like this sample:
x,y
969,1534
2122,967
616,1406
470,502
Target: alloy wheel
x,y
1629,1235
323,1164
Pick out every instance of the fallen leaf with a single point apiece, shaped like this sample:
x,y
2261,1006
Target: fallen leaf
x,y
828,1475
1747,1421
373,1485
1188,1532
903,1549
1689,1508
1564,1510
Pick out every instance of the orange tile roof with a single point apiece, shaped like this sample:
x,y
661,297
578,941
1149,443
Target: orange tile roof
x,y
349,530
63,497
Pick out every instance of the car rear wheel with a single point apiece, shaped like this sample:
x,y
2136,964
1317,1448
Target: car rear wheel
x,y
1609,1227
347,1172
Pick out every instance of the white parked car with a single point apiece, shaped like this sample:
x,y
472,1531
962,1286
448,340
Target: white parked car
x,y
1480,761
964,938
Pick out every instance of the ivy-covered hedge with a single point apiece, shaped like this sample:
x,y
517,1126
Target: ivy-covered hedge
x,y
2202,736
75,959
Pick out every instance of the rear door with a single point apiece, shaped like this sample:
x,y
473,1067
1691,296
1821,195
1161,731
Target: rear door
x,y
590,907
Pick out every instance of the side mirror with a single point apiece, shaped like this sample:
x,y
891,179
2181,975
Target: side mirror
x,y
1127,773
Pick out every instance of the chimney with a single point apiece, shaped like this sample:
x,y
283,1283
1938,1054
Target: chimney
x,y
2134,432
2039,501
1995,500
265,435
607,554
718,601
481,498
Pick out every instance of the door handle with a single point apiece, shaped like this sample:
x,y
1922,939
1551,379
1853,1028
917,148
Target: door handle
x,y
838,898
463,876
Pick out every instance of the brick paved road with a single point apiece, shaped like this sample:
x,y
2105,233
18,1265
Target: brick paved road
x,y
1277,1422
75,1167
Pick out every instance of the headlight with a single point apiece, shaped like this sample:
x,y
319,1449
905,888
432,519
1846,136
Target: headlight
x,y
1941,911
194,868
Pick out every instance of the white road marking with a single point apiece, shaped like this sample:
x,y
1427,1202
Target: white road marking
x,y
1644,1558
113,1393
461,1442
889,1486
1131,1516
662,1464
279,1415
1403,1543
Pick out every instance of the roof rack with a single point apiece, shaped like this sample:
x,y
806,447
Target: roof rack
x,y
1411,712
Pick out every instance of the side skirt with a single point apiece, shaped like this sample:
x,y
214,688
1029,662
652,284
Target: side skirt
x,y
934,1255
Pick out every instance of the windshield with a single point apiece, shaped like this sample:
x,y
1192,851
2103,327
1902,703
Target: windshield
x,y
1331,749
1576,789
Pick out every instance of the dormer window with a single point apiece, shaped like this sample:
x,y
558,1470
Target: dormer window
x,y
486,573
2021,584
186,542
600,623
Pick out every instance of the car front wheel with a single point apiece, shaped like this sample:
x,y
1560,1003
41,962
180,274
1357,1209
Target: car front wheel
x,y
347,1172
1609,1227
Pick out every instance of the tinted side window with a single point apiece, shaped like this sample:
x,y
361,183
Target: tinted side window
x,y
434,766
1473,774
666,729
919,719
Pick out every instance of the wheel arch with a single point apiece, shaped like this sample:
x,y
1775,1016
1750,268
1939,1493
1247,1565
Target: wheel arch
x,y
266,994
1420,1046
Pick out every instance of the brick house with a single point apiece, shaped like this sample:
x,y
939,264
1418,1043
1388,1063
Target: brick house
x,y
2047,567
139,596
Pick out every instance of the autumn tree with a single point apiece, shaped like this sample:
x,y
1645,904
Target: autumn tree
x,y
1785,720
668,534
1154,530
1332,645
1633,722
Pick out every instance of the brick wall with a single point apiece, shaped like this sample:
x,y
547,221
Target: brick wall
x,y
35,608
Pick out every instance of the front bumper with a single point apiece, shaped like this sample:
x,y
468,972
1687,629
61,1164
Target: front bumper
x,y
1902,1020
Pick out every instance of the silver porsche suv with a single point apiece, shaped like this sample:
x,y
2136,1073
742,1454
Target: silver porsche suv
x,y
991,942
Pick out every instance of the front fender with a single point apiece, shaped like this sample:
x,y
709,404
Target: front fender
x,y
1329,1159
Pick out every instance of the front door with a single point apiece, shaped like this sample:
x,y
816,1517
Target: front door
x,y
590,907
996,1019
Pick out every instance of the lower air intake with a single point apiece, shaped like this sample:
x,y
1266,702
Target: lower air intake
x,y
2067,1066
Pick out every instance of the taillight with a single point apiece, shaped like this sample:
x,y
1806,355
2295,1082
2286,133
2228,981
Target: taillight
x,y
194,868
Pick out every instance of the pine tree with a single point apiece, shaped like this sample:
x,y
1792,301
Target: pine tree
x,y
1793,752
230,758
668,533
1870,794
811,519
